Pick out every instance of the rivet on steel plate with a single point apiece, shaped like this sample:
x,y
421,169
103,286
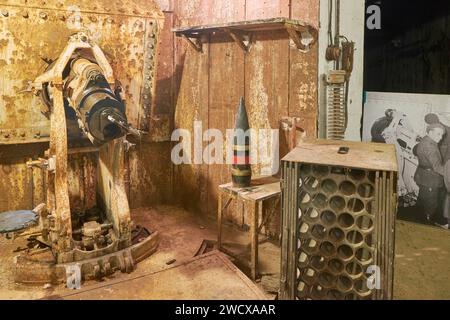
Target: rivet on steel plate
x,y
5,13
62,17
93,18
43,15
25,14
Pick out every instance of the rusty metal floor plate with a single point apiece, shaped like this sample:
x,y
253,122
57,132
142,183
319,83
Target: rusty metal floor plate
x,y
208,277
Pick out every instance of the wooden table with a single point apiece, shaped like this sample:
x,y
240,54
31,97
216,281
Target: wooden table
x,y
261,189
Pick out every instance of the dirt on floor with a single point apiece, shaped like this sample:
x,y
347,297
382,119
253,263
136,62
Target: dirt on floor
x,y
422,265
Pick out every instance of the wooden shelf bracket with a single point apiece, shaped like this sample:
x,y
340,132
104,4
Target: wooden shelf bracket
x,y
303,37
239,38
196,44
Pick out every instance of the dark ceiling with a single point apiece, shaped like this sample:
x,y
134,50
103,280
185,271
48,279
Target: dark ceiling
x,y
399,16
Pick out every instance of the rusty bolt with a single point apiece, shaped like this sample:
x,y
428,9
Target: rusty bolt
x,y
5,13
43,15
93,18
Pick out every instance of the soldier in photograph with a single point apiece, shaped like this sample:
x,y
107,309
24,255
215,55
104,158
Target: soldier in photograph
x,y
430,172
444,147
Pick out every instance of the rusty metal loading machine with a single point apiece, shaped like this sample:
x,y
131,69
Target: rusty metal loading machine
x,y
81,86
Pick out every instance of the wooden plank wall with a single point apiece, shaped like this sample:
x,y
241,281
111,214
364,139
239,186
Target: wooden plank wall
x,y
274,77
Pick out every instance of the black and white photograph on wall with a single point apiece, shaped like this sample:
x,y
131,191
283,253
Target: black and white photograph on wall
x,y
419,127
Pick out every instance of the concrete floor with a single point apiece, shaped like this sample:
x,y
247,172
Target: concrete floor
x,y
422,266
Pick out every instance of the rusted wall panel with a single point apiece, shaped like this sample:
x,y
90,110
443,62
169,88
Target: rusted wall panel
x,y
165,68
150,175
16,188
211,94
197,12
306,10
124,32
303,89
264,9
224,98
24,188
303,95
82,177
190,180
279,81
122,38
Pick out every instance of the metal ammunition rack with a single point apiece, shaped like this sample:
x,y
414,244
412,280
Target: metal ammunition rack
x,y
338,221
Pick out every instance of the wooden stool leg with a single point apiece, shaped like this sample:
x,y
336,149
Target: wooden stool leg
x,y
219,221
254,238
